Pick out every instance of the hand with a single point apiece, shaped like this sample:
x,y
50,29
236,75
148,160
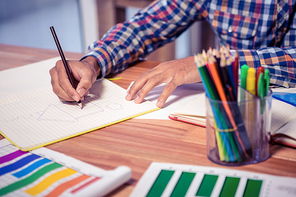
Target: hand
x,y
84,72
174,73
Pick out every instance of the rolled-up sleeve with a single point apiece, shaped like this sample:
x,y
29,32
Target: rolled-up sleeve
x,y
159,23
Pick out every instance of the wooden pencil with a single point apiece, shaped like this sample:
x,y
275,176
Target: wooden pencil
x,y
70,76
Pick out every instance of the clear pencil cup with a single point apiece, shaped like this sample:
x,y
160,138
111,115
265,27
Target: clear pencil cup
x,y
238,132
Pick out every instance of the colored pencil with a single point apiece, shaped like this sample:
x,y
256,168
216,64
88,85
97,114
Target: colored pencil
x,y
243,140
225,149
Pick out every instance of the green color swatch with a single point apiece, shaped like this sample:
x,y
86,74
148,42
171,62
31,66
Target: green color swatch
x,y
229,187
183,184
207,185
160,183
253,188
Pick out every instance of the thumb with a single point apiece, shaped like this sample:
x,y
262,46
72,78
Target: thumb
x,y
84,86
82,92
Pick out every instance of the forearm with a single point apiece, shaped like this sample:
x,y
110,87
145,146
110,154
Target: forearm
x,y
148,30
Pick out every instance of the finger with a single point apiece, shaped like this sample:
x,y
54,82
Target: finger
x,y
136,86
88,77
149,85
177,79
68,93
142,80
167,91
128,96
56,86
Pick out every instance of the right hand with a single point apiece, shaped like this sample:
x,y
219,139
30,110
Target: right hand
x,y
173,73
85,72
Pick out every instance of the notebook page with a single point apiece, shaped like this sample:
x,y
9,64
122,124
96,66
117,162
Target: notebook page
x,y
26,81
281,114
197,107
288,129
35,120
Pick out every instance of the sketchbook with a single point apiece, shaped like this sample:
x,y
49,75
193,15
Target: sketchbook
x,y
283,119
167,179
32,116
44,172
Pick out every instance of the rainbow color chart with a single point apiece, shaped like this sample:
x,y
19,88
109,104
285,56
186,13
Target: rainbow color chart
x,y
166,179
44,172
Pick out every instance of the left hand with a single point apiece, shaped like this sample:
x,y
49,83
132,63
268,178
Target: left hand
x,y
174,73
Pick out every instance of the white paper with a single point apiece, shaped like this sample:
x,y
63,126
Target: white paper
x,y
182,95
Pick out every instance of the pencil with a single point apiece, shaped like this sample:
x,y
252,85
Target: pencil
x,y
223,145
225,79
70,76
217,56
228,111
218,113
229,64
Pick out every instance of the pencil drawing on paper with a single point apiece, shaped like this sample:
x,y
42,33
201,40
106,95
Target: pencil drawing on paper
x,y
62,112
93,105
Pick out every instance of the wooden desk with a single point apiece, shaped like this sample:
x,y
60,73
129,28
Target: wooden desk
x,y
136,143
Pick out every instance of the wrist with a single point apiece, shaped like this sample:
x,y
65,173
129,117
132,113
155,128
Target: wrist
x,y
92,61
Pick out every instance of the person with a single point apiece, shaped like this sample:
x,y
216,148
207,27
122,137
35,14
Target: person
x,y
263,33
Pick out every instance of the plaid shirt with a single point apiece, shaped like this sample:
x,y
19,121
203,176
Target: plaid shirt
x,y
248,26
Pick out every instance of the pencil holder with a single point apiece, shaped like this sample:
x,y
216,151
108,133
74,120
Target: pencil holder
x,y
237,132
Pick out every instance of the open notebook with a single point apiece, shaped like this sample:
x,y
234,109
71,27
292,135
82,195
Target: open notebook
x,y
283,119
31,115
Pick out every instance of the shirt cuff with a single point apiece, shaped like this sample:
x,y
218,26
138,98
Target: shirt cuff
x,y
103,60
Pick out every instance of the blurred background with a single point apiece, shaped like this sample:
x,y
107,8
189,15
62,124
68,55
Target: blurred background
x,y
80,22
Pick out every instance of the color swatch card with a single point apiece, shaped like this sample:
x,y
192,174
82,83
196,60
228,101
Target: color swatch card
x,y
44,172
32,116
165,179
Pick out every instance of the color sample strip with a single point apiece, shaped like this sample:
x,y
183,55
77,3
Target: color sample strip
x,y
183,184
85,184
30,179
43,185
64,186
160,183
253,188
207,185
20,163
31,168
11,156
230,186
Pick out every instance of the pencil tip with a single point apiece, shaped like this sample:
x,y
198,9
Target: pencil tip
x,y
80,104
